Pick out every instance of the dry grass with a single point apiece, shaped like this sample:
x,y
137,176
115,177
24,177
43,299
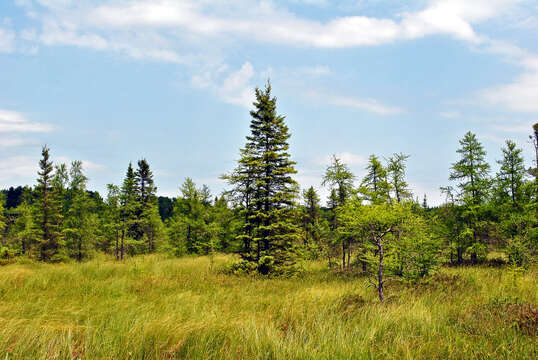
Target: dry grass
x,y
153,307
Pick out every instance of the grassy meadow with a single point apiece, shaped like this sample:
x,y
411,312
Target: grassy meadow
x,y
154,307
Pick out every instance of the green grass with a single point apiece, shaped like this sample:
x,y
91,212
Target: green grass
x,y
154,307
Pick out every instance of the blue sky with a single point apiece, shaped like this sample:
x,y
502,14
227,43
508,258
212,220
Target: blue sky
x,y
109,82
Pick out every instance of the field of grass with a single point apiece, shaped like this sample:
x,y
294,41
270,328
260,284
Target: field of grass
x,y
153,307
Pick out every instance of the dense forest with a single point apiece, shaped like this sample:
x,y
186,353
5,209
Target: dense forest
x,y
373,225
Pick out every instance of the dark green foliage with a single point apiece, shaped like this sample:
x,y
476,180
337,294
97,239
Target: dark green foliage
x,y
263,184
48,211
166,207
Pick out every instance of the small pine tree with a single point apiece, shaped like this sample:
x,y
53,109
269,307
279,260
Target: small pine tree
x,y
48,215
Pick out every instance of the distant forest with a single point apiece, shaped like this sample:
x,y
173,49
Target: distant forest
x,y
378,227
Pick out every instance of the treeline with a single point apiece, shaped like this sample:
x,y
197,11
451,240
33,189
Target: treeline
x,y
374,224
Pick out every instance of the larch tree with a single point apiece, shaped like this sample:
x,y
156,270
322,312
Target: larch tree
x,y
396,172
77,224
375,186
510,178
472,172
339,179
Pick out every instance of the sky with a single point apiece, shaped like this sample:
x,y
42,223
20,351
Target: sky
x,y
172,81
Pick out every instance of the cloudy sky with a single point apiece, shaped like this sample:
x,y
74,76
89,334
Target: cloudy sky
x,y
112,81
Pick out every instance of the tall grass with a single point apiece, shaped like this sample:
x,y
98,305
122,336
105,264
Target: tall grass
x,y
154,307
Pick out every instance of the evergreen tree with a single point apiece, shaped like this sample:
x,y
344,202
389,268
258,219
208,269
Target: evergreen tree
x,y
274,190
112,219
243,179
48,211
78,222
128,207
312,216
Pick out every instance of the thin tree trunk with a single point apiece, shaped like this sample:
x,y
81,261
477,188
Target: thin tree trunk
x,y
343,255
122,237
348,256
380,270
117,250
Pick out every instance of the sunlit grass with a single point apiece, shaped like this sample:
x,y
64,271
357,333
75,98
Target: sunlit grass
x,y
154,307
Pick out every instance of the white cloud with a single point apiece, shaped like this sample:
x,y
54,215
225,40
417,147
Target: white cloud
x,y
7,41
12,141
519,95
231,87
16,168
370,105
346,157
522,128
125,25
12,121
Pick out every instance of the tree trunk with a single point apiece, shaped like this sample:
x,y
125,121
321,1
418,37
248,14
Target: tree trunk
x,y
348,256
117,250
380,270
122,237
343,255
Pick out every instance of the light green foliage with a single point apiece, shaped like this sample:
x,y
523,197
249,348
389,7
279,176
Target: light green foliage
x,y
375,186
396,170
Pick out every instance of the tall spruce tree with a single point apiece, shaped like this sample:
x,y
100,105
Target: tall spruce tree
x,y
48,210
147,224
266,158
128,207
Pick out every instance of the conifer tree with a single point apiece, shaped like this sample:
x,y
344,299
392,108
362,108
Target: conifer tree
x,y
472,171
243,179
128,207
78,223
510,178
274,190
340,180
148,226
396,172
375,185
24,229
112,218
312,215
48,210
